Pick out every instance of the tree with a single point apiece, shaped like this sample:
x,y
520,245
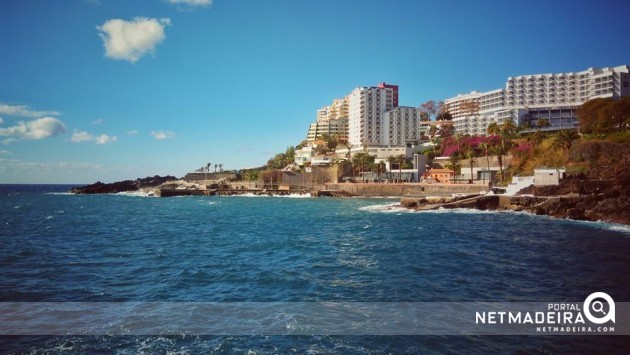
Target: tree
x,y
485,149
454,160
469,152
331,141
564,139
493,129
429,107
444,116
446,130
424,116
508,130
400,159
391,160
362,160
542,123
604,115
435,141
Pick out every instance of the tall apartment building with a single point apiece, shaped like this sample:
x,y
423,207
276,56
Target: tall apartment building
x,y
401,125
369,117
366,108
338,127
394,92
338,109
528,99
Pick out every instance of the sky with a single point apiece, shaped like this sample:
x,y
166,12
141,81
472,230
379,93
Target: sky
x,y
108,90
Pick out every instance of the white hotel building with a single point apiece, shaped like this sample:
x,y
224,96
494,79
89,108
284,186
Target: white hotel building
x,y
528,98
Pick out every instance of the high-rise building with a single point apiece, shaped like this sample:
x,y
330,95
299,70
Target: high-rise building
x,y
366,107
401,126
394,92
332,127
338,109
540,101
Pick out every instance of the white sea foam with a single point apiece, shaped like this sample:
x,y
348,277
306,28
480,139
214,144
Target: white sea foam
x,y
622,228
386,208
395,208
135,194
308,195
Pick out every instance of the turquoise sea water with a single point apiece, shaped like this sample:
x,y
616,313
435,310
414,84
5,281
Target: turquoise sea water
x,y
128,248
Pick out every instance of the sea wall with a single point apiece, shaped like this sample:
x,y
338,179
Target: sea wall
x,y
406,190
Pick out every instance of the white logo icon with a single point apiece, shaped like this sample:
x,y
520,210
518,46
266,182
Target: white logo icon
x,y
600,316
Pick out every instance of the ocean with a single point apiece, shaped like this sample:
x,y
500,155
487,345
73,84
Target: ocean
x,y
132,249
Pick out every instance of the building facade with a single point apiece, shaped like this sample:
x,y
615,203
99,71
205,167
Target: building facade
x,y
338,127
401,125
366,108
540,101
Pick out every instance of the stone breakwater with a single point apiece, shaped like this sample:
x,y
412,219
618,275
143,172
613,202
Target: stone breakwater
x,y
407,189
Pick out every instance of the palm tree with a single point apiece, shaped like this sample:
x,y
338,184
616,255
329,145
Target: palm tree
x,y
493,129
485,148
220,167
454,163
207,169
564,139
542,123
381,169
215,167
469,153
508,129
400,159
435,140
458,137
391,159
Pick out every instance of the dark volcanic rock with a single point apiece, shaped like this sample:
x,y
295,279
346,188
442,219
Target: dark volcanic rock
x,y
122,186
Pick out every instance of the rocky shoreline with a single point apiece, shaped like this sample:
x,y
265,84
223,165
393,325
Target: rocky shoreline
x,y
123,186
574,198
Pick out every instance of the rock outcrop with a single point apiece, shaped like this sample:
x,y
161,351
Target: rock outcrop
x,y
123,186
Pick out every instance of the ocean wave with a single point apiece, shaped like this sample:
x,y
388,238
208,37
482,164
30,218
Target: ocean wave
x,y
386,208
58,193
617,227
265,195
135,194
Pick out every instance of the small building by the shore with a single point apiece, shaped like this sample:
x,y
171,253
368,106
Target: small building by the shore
x,y
548,176
444,176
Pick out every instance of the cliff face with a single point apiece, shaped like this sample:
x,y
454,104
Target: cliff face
x,y
122,186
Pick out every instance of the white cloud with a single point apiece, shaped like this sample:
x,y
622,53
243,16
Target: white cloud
x,y
160,135
132,132
40,128
5,152
81,136
1,120
191,2
24,111
105,139
98,122
130,40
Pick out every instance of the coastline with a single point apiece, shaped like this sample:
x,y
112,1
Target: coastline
x,y
572,199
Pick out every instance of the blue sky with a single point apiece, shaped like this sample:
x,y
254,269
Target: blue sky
x,y
114,89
